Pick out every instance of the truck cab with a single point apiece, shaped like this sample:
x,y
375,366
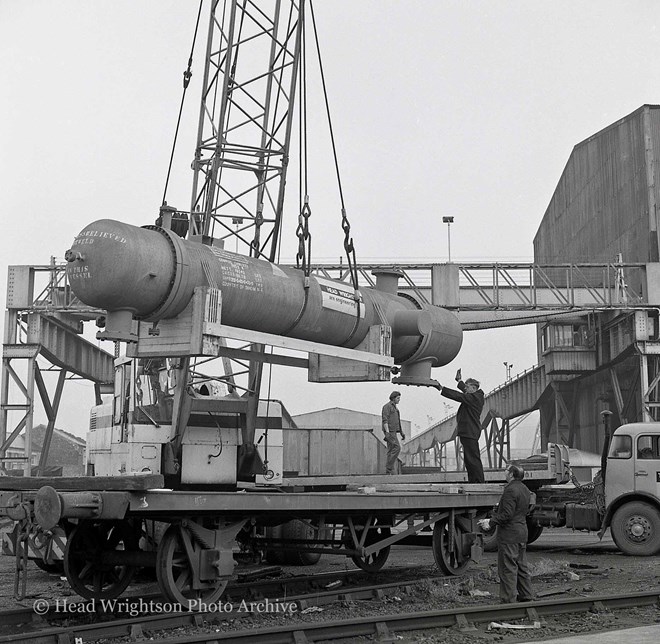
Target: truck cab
x,y
632,488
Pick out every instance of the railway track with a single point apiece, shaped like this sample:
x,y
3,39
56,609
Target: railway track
x,y
138,627
44,612
212,626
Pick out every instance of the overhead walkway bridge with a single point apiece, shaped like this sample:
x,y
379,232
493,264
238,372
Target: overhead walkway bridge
x,y
514,398
487,295
522,289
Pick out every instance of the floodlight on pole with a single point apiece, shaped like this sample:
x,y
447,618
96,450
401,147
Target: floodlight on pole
x,y
449,221
237,221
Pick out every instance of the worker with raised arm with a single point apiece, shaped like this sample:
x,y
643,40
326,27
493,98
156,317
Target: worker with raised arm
x,y
510,519
468,421
392,427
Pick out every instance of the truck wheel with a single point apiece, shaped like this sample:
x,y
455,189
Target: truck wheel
x,y
489,536
636,529
56,568
534,530
275,557
490,540
297,529
293,529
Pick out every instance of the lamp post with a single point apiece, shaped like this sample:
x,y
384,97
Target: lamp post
x,y
508,366
237,221
449,221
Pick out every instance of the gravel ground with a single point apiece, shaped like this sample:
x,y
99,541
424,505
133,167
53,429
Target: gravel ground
x,y
562,562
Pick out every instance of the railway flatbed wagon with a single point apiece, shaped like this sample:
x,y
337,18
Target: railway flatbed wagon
x,y
114,525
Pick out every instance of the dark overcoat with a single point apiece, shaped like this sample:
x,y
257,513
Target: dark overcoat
x,y
511,515
468,417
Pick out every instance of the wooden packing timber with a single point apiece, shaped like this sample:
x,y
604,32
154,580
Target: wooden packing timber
x,y
92,483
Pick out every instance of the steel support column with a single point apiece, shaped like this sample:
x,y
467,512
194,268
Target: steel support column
x,y
618,396
647,416
26,405
649,374
51,414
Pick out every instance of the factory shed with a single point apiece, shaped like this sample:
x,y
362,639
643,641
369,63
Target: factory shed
x,y
336,441
605,201
603,210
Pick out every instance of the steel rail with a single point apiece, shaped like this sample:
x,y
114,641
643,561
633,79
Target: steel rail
x,y
382,626
136,627
379,625
300,587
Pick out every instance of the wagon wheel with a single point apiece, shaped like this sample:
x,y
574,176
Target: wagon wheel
x,y
85,564
447,555
175,572
375,561
489,540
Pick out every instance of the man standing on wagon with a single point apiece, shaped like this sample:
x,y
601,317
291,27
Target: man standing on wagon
x,y
468,423
392,427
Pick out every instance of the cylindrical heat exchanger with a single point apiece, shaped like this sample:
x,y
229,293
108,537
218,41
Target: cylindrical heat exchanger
x,y
150,273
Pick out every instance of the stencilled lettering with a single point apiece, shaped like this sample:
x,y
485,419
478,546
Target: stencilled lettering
x,y
236,275
79,273
86,234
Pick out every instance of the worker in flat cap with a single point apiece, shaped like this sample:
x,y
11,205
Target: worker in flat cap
x,y
468,423
510,519
391,429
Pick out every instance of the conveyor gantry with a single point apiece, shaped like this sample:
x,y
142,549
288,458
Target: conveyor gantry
x,y
486,295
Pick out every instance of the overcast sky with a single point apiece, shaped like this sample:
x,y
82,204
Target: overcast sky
x,y
461,108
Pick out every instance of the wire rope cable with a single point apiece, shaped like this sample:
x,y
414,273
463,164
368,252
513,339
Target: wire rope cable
x,y
187,75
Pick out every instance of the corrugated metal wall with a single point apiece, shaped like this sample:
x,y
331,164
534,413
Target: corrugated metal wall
x,y
601,204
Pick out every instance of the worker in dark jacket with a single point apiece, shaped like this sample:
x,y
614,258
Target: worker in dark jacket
x,y
511,522
469,423
391,427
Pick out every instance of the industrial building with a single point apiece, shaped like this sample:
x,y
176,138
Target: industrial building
x,y
604,208
600,234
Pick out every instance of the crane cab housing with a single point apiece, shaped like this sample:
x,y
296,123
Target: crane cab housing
x,y
135,433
